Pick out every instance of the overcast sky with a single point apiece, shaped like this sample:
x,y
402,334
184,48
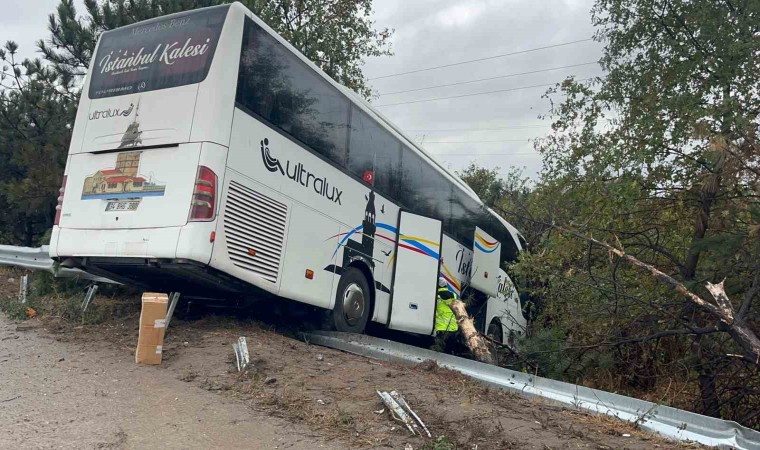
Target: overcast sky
x,y
432,33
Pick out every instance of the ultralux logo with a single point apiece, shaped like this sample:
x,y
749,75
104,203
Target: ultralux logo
x,y
299,174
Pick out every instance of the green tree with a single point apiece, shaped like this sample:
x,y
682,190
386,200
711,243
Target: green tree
x,y
487,183
36,114
660,157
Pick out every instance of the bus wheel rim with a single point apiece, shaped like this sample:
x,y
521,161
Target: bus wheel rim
x,y
353,303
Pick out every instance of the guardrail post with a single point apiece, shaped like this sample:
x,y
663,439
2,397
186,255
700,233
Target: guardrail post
x,y
23,288
173,300
89,296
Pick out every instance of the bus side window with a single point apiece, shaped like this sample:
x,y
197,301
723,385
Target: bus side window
x,y
373,148
276,85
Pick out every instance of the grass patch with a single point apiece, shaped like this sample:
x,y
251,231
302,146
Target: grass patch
x,y
61,299
441,443
293,403
13,308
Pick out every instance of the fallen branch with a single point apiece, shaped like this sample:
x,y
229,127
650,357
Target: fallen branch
x,y
723,310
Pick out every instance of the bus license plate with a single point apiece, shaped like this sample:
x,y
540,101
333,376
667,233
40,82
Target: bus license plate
x,y
124,205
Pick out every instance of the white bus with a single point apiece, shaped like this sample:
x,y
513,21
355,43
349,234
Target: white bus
x,y
210,157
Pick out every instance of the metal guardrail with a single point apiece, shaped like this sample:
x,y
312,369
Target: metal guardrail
x,y
39,259
664,420
26,257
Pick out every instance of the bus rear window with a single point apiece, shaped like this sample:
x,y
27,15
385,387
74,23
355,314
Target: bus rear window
x,y
156,54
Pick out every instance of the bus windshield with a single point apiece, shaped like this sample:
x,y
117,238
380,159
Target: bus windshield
x,y
156,54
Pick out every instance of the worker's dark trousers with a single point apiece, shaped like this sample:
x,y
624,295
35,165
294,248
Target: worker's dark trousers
x,y
446,341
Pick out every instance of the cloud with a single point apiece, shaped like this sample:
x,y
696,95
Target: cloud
x,y
460,15
26,23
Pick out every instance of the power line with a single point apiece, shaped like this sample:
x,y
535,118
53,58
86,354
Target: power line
x,y
442,155
490,78
482,59
476,142
471,95
430,130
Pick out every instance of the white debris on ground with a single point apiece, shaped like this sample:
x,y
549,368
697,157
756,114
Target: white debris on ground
x,y
401,411
242,358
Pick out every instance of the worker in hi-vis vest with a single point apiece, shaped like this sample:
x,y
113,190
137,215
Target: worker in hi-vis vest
x,y
444,316
445,322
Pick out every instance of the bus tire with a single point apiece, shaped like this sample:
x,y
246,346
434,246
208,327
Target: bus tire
x,y
494,332
352,302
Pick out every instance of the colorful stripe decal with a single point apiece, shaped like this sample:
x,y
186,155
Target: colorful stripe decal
x,y
391,259
485,242
386,238
385,226
419,248
412,243
418,239
484,245
345,238
421,252
479,247
415,244
453,283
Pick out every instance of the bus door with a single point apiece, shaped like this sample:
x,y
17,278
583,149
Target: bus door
x,y
486,253
415,273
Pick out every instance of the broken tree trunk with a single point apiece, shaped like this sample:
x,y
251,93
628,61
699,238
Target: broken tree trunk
x,y
472,339
738,330
723,309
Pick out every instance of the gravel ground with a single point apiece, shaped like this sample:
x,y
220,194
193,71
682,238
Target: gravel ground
x,y
64,385
86,394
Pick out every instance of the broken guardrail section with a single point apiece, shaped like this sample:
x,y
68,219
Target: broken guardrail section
x,y
39,259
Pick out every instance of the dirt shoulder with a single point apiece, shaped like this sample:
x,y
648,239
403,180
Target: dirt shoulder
x,y
78,387
87,393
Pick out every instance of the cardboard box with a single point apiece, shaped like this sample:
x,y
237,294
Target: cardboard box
x,y
148,354
154,307
151,336
152,327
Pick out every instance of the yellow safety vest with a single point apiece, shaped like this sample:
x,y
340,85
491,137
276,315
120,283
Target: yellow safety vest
x,y
444,316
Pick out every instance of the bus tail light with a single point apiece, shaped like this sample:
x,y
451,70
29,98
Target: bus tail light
x,y
204,195
59,206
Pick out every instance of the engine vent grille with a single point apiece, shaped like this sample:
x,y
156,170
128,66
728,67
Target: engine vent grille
x,y
254,223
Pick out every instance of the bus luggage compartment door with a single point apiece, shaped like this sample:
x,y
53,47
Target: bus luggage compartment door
x,y
485,263
415,273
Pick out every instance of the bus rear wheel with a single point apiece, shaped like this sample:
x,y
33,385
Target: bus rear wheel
x,y
352,302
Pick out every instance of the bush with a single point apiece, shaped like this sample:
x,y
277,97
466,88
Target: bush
x,y
441,443
62,298
546,350
13,308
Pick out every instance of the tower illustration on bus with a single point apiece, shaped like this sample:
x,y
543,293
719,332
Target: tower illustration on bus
x,y
210,157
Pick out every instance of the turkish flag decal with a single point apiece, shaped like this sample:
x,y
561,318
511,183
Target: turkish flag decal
x,y
369,177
